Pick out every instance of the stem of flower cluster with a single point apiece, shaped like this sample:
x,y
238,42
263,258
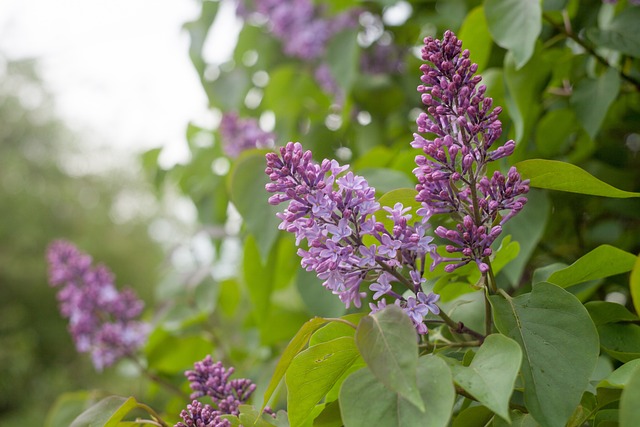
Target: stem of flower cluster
x,y
159,380
460,328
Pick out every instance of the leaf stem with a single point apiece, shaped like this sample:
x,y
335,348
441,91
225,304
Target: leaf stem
x,y
568,32
337,319
460,328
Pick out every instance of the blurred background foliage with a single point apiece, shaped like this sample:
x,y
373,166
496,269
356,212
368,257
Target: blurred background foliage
x,y
46,193
234,288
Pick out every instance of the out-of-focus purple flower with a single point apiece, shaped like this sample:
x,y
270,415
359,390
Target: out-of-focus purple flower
x,y
212,379
458,132
329,84
239,135
333,211
383,58
102,320
199,415
301,26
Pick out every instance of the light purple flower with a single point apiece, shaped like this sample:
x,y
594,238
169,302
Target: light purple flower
x,y
102,320
331,210
199,415
240,134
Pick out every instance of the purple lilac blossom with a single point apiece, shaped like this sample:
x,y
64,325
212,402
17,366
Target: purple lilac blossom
x,y
458,131
212,379
387,58
334,213
239,135
300,26
199,415
102,320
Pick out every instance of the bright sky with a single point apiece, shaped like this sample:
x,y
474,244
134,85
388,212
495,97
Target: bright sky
x,y
119,69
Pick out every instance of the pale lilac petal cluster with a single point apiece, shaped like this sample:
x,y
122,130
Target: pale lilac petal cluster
x,y
457,135
333,211
102,320
301,26
212,379
240,134
199,415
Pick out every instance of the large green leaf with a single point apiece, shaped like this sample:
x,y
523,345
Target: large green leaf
x,y
319,300
475,36
297,343
527,229
258,277
620,34
313,373
387,341
561,176
620,340
629,408
68,406
603,261
602,312
515,25
106,413
619,378
246,188
634,284
560,348
343,58
604,89
365,401
492,373
525,87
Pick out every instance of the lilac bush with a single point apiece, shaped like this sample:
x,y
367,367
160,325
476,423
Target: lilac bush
x,y
335,213
102,320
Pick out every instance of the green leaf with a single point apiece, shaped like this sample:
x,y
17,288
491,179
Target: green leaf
x,y
560,348
634,284
313,373
602,312
67,407
561,176
334,330
246,188
475,36
603,261
106,413
385,180
388,344
343,57
555,131
316,297
230,89
591,99
258,277
365,401
629,408
515,25
492,374
620,340
171,354
527,229
525,88
473,416
619,378
620,34
297,343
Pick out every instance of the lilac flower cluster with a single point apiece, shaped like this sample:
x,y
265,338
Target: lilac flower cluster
x,y
102,320
212,379
335,214
239,135
199,415
460,128
299,25
383,58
